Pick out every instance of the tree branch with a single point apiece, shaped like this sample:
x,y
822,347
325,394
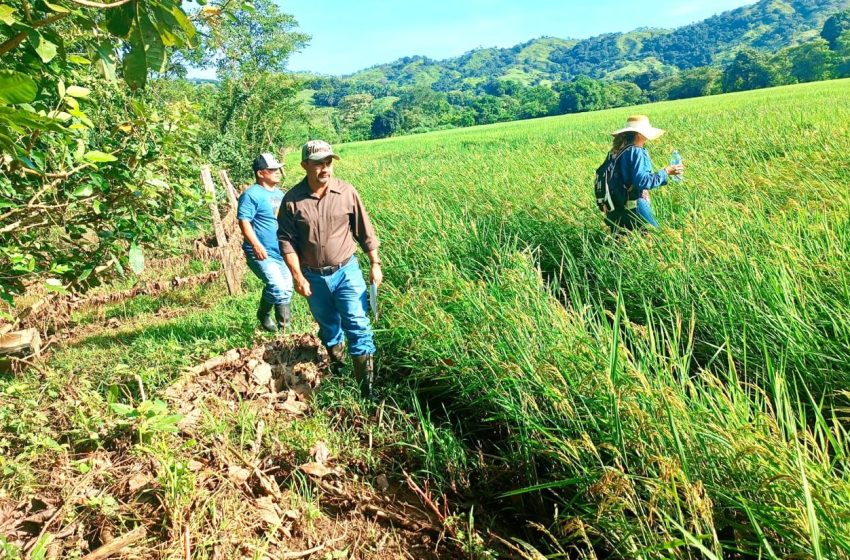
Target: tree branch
x,y
13,42
90,4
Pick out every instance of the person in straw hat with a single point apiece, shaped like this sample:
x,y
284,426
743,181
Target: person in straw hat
x,y
634,174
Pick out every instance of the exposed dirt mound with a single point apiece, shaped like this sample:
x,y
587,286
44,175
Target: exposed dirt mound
x,y
248,499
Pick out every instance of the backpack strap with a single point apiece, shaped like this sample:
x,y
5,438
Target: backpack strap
x,y
623,151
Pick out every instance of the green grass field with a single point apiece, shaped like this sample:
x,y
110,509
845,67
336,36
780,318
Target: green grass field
x,y
677,394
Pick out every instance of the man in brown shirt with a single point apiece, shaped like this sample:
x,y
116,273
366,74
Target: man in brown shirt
x,y
320,223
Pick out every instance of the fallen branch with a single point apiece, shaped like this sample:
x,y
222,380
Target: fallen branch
x,y
425,496
310,551
229,357
187,543
118,544
269,486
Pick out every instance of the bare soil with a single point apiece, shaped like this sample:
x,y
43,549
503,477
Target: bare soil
x,y
242,503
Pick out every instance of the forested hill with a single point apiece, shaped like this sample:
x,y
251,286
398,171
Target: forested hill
x,y
767,25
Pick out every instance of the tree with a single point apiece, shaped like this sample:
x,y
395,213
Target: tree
x,y
749,70
582,94
834,27
351,107
842,53
538,101
254,38
387,123
256,108
621,94
93,169
90,167
695,82
812,61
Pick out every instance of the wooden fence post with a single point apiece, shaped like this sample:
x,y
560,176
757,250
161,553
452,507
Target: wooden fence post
x,y
228,188
234,284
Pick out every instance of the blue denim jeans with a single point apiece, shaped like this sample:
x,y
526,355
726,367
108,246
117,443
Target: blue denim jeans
x,y
339,304
644,210
276,278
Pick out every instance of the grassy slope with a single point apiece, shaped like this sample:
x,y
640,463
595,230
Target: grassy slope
x,y
700,428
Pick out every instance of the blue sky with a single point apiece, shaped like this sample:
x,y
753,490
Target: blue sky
x,y
351,35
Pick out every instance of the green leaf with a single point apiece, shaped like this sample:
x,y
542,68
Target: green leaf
x,y
77,59
95,156
21,121
154,47
82,116
77,91
117,264
82,191
248,7
106,61
57,8
136,62
45,49
7,14
60,87
120,20
55,285
122,409
16,87
185,23
137,259
39,551
59,115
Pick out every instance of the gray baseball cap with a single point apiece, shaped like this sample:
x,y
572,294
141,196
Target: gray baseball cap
x,y
317,150
265,161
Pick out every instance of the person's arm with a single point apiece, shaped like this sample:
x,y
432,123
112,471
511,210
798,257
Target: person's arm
x,y
376,274
368,240
302,285
246,210
364,233
248,231
287,236
638,171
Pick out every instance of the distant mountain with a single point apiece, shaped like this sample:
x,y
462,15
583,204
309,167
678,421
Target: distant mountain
x,y
767,25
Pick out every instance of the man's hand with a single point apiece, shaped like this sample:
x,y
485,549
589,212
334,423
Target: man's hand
x,y
302,286
260,252
376,275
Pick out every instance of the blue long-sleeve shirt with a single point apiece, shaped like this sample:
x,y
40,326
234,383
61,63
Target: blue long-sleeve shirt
x,y
635,168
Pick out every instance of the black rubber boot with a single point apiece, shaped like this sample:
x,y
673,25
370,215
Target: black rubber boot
x,y
264,315
282,314
336,355
364,373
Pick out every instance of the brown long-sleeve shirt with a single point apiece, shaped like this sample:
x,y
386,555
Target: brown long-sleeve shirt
x,y
322,231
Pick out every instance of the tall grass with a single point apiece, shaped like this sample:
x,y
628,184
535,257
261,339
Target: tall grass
x,y
667,395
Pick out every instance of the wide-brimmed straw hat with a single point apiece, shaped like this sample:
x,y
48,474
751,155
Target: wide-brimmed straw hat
x,y
640,124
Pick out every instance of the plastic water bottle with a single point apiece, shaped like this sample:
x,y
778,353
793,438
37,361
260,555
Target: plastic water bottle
x,y
676,159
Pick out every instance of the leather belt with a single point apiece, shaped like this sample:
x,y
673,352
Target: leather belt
x,y
327,270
